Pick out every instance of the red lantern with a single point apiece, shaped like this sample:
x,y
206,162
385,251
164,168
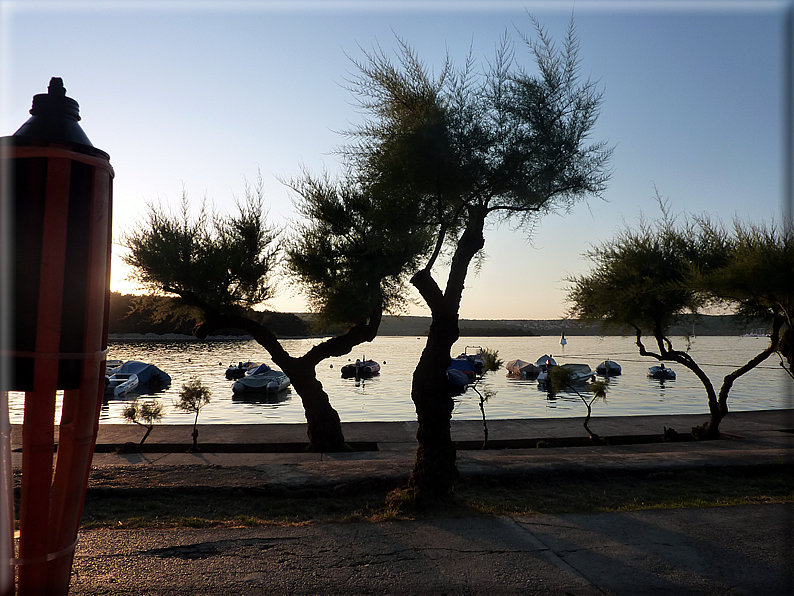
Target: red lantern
x,y
57,191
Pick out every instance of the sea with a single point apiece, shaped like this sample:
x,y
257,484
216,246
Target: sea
x,y
387,396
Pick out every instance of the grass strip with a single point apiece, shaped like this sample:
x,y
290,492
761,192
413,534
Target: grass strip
x,y
548,494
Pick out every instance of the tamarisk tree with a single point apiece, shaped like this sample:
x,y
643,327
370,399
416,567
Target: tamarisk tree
x,y
349,256
646,278
460,149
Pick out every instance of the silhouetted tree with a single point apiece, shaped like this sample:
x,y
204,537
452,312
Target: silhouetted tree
x,y
143,413
461,149
646,279
561,378
192,399
347,253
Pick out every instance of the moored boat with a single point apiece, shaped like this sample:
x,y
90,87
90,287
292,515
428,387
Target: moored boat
x,y
457,379
465,366
526,369
263,380
235,371
580,373
150,378
360,368
661,372
119,384
473,354
609,368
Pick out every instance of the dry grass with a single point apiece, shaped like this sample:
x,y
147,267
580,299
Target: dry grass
x,y
562,494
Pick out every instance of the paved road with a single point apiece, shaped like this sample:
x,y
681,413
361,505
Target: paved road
x,y
721,551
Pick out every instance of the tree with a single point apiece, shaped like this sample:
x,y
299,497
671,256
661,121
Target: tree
x,y
145,414
459,150
349,254
645,279
192,399
490,363
561,378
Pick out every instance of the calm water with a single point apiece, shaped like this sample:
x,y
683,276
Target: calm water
x,y
387,396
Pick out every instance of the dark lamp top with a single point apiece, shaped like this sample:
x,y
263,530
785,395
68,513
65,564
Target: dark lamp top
x,y
54,119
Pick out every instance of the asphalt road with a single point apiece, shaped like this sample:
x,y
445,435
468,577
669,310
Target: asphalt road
x,y
738,550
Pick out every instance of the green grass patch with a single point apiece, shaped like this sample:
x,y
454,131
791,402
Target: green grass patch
x,y
546,494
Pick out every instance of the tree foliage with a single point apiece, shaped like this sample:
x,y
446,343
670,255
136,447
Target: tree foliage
x,y
351,252
504,141
639,278
221,262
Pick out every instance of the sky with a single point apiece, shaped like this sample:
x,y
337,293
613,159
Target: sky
x,y
201,97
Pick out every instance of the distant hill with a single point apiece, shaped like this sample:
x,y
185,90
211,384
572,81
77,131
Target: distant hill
x,y
125,322
701,325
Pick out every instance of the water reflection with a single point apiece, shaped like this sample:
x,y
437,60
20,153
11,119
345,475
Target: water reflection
x,y
271,399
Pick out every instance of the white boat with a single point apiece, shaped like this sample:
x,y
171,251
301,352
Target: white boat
x,y
266,380
235,371
111,365
149,376
661,372
119,384
544,361
609,368
580,373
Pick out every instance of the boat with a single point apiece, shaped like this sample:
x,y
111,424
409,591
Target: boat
x,y
545,360
609,368
263,380
119,384
661,372
458,380
465,366
150,378
235,371
474,355
580,373
527,370
360,368
111,364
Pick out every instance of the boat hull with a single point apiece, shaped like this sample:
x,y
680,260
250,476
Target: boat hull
x,y
609,368
662,374
271,382
119,384
359,368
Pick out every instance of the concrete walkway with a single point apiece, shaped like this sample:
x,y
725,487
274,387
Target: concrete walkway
x,y
727,550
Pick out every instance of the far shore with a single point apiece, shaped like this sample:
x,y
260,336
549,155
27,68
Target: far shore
x,y
401,326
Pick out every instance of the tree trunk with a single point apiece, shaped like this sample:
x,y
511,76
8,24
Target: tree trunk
x,y
711,428
435,471
324,425
718,411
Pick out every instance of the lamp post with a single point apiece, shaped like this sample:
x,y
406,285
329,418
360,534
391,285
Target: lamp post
x,y
57,193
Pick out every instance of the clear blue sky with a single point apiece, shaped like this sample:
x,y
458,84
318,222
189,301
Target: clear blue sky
x,y
203,95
